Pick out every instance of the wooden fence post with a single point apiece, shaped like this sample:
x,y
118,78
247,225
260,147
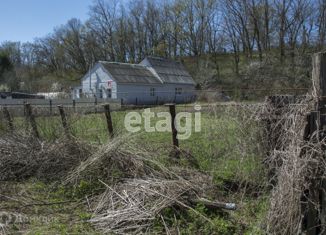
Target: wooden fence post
x,y
74,105
319,85
50,101
315,222
31,118
24,108
95,103
174,129
319,74
313,192
108,119
64,120
322,192
7,116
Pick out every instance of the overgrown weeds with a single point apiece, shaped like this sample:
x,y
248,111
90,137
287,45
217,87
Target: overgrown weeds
x,y
135,174
22,156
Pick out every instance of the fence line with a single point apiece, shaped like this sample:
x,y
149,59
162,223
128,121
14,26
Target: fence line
x,y
48,102
31,114
91,99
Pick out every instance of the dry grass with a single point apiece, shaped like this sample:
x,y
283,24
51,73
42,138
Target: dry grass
x,y
126,169
22,156
132,206
119,157
294,163
145,187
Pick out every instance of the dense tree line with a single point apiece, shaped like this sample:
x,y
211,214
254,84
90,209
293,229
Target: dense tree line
x,y
172,28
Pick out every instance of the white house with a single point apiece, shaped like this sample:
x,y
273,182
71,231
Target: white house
x,y
154,81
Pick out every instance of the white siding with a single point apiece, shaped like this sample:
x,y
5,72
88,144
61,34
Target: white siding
x,y
164,93
96,82
137,93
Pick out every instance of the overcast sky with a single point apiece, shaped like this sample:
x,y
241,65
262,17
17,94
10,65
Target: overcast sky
x,y
24,20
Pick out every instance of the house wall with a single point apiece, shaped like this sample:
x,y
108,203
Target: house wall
x,y
96,83
187,93
164,93
137,93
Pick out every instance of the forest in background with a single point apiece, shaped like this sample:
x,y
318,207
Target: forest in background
x,y
234,44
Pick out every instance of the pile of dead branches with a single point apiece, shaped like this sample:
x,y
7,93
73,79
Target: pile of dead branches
x,y
23,156
131,207
138,185
118,158
143,189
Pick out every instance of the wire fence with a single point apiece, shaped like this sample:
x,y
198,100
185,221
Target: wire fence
x,y
92,124
90,101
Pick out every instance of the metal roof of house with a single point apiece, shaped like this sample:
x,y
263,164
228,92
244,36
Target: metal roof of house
x,y
169,71
152,70
130,73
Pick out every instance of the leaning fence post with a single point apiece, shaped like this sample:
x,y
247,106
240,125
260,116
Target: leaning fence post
x,y
50,101
316,221
319,86
64,120
7,116
31,119
108,119
24,107
174,129
74,105
318,75
95,103
323,181
313,192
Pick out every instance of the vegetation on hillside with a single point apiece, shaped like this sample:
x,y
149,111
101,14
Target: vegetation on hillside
x,y
229,43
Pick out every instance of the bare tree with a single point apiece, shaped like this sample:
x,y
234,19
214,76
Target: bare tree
x,y
321,23
136,19
71,37
297,17
282,8
103,22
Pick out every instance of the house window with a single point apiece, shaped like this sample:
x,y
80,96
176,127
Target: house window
x,y
178,90
152,92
